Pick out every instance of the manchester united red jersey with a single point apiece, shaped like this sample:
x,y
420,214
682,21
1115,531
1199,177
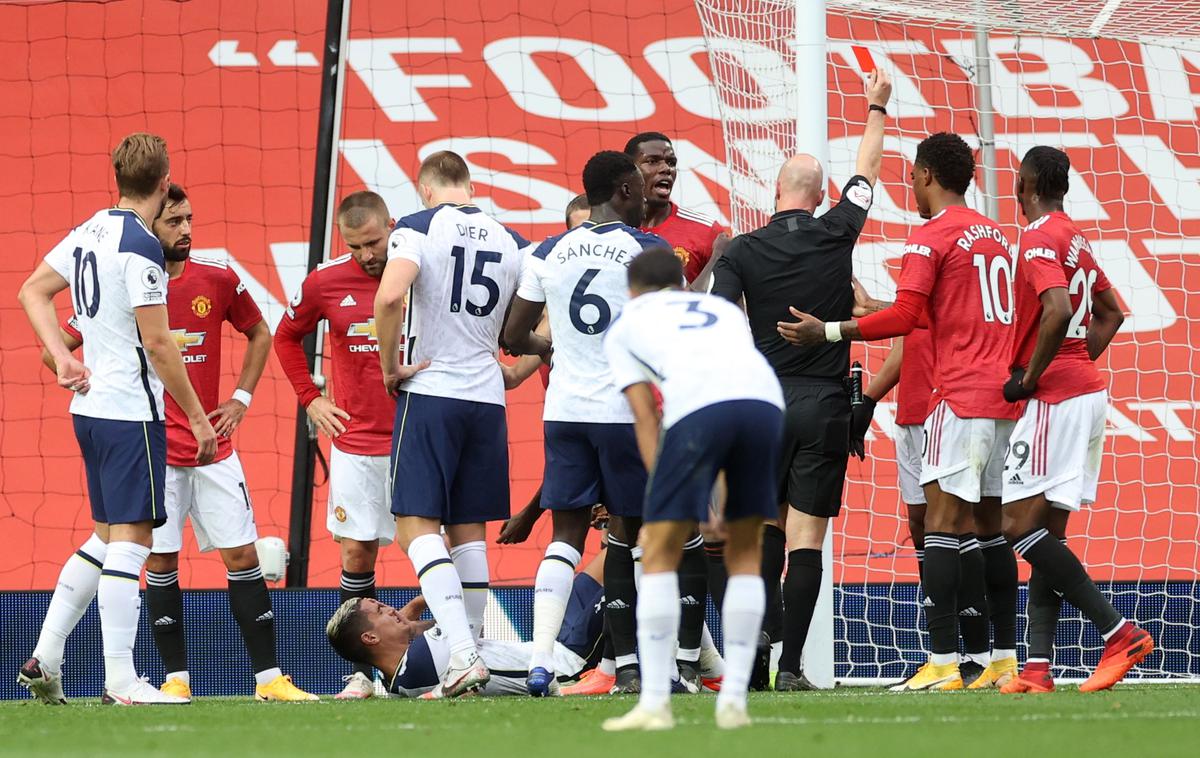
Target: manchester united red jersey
x,y
960,259
1054,253
916,378
691,236
340,292
199,300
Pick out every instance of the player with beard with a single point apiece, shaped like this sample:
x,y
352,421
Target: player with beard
x,y
358,419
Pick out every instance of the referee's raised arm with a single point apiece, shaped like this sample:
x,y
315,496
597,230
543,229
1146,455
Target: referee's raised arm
x,y
870,149
806,260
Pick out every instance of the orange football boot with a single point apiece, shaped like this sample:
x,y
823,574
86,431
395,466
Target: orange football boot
x,y
1035,678
1124,650
593,682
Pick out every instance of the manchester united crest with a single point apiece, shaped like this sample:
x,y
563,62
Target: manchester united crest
x,y
339,513
684,255
202,306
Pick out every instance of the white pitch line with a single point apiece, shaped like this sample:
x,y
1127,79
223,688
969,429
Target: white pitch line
x,y
889,721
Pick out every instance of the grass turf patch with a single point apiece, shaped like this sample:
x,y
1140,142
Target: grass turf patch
x,y
1156,720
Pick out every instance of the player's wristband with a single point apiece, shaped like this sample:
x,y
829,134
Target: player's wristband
x,y
242,396
877,107
833,331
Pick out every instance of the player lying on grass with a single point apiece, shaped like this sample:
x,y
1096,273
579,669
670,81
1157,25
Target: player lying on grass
x,y
415,655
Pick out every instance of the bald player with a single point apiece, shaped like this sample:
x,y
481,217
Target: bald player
x,y
802,255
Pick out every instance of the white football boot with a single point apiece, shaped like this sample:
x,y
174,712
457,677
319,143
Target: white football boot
x,y
642,719
141,692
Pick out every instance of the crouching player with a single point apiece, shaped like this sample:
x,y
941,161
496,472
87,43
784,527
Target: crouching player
x,y
415,655
722,411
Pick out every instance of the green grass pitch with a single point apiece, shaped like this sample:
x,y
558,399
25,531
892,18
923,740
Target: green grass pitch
x,y
1151,721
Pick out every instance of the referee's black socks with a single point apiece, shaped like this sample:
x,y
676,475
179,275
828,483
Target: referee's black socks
x,y
800,592
774,547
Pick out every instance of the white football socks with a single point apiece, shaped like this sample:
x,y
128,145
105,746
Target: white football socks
x,y
442,590
551,590
470,560
657,630
72,595
263,678
636,552
712,665
741,621
120,604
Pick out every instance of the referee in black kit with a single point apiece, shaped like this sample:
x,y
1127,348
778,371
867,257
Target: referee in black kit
x,y
803,260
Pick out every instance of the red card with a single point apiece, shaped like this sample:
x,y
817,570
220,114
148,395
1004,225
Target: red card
x,y
863,56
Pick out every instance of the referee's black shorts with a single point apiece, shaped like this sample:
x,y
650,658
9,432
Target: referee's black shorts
x,y
816,445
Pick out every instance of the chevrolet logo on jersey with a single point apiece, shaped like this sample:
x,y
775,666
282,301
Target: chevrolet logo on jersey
x,y
364,329
185,340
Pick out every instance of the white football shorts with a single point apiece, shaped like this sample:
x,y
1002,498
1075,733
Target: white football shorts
x,y
910,441
1055,450
965,456
217,501
509,664
359,498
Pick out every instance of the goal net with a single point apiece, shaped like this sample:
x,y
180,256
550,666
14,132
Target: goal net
x,y
1116,85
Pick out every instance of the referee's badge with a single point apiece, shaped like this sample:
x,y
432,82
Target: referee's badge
x,y
201,306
